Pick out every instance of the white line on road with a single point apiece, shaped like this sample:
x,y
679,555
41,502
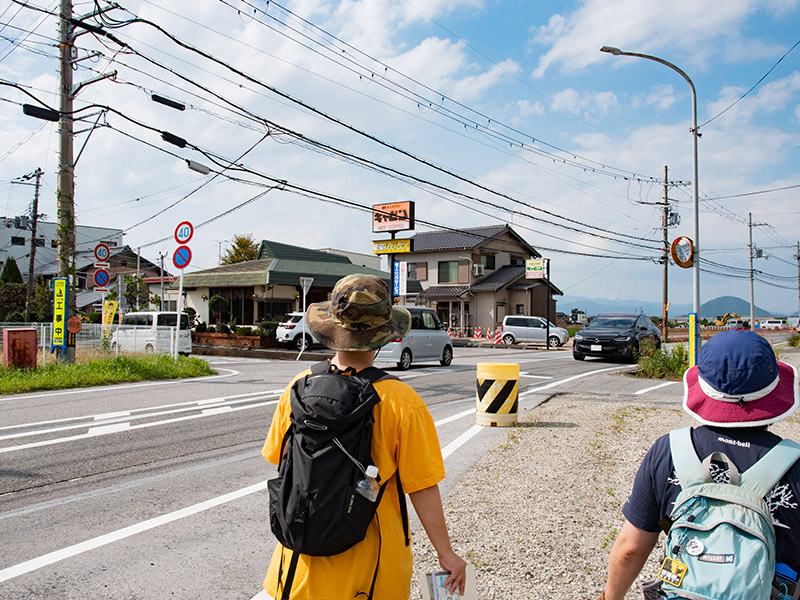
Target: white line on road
x,y
114,388
120,534
655,387
461,440
568,379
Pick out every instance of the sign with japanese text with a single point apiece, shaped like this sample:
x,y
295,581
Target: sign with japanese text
x,y
534,268
60,297
400,278
392,246
395,216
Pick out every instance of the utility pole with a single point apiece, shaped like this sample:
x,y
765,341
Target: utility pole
x,y
664,225
797,257
752,255
161,256
31,264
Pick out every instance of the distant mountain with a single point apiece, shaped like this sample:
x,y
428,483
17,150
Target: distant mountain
x,y
710,309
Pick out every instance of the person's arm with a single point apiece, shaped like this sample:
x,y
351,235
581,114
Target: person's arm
x,y
428,505
628,555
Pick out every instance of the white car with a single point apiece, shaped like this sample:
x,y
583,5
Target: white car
x,y
521,328
290,331
426,341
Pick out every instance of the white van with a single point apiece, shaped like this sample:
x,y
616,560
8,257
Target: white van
x,y
774,324
152,332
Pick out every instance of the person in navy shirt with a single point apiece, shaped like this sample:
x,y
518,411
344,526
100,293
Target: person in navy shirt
x,y
735,391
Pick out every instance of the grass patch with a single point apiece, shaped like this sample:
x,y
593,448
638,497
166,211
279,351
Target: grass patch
x,y
659,363
794,340
101,371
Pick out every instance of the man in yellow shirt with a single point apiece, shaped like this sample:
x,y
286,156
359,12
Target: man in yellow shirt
x,y
357,321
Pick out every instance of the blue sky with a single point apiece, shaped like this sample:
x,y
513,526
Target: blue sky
x,y
518,99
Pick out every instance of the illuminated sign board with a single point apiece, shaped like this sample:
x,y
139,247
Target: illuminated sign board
x,y
395,216
534,268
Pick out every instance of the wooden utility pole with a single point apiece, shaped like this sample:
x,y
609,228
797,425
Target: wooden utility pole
x,y
32,262
797,256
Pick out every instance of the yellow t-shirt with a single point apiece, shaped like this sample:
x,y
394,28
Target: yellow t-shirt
x,y
404,438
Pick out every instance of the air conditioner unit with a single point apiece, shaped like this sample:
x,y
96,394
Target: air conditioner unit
x,y
477,270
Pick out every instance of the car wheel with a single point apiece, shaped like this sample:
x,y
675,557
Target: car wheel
x,y
508,339
302,343
149,349
553,341
578,356
405,360
113,346
447,356
634,355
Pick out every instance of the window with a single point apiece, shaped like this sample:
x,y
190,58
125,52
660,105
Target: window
x,y
39,242
418,271
171,320
54,243
487,260
517,261
448,271
17,240
428,320
520,309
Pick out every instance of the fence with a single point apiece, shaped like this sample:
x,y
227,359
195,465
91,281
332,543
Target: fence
x,y
125,338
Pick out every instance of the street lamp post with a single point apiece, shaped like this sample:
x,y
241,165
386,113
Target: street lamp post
x,y
696,199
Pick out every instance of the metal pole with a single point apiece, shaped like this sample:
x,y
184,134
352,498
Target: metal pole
x,y
548,295
798,284
161,256
665,294
750,246
696,186
178,321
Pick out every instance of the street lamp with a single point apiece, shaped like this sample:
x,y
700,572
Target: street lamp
x,y
696,201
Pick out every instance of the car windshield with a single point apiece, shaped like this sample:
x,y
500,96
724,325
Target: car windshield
x,y
613,322
292,318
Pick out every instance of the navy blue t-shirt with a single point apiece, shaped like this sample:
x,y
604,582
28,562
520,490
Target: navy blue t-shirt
x,y
656,486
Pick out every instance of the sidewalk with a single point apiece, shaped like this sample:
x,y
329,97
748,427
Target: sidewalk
x,y
538,515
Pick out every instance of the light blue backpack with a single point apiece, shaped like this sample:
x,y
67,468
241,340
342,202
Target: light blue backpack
x,y
721,545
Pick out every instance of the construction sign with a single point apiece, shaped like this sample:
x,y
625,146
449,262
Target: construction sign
x,y
60,297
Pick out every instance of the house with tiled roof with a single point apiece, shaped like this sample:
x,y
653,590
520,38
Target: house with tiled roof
x,y
269,287
474,277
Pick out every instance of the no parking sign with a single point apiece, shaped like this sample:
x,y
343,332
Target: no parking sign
x,y
182,257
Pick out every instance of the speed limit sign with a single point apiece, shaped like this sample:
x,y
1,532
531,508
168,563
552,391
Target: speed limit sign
x,y
184,232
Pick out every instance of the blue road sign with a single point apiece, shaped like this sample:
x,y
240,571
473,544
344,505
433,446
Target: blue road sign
x,y
182,257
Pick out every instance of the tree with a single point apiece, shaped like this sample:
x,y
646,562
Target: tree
x,y
218,305
243,248
42,301
10,273
137,292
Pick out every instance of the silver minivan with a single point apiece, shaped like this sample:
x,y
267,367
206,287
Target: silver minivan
x,y
152,331
426,341
521,328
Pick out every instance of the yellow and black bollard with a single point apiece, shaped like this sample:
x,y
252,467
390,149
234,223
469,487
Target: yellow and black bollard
x,y
497,390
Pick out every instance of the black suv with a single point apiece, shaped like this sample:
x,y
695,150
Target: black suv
x,y
615,335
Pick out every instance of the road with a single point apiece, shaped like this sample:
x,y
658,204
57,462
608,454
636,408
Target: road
x,y
157,490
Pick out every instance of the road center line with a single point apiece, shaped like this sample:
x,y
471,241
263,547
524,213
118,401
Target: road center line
x,y
568,379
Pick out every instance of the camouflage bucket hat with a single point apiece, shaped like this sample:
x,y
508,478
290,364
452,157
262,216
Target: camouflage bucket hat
x,y
359,315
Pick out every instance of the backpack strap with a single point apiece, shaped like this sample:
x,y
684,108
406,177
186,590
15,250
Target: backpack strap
x,y
688,467
762,476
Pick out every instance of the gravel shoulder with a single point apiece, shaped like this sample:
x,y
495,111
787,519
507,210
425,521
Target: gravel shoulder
x,y
537,515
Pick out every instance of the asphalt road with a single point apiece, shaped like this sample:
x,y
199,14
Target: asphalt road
x,y
157,490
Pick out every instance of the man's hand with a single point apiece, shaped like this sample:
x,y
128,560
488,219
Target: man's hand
x,y
457,567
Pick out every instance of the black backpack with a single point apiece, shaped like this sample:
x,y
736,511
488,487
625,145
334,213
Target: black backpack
x,y
314,508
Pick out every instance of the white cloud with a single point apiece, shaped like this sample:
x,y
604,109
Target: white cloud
x,y
590,105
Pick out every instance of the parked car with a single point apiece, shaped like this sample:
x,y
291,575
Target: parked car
x,y
426,341
152,331
290,331
774,324
615,335
519,328
738,324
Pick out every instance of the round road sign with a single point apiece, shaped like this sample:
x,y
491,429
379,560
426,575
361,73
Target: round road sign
x,y
74,324
101,278
101,252
182,257
184,232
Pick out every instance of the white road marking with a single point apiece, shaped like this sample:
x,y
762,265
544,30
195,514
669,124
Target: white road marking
x,y
455,417
120,534
115,387
655,387
568,379
536,376
461,440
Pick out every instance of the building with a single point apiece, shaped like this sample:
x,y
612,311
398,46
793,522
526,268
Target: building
x,y
269,287
475,277
15,242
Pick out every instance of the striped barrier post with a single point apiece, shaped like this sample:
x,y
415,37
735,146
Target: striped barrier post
x,y
498,337
497,390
